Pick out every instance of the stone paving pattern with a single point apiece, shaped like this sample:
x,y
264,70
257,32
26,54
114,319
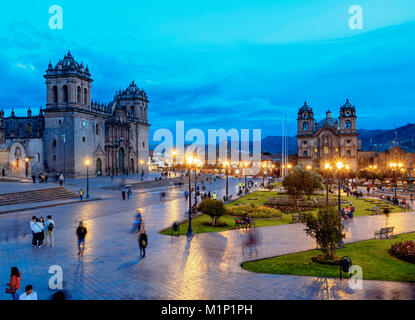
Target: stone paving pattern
x,y
206,266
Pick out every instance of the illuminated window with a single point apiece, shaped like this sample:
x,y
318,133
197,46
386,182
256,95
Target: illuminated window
x,y
315,150
337,149
326,150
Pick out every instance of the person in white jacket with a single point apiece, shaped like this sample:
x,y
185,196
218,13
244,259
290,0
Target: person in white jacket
x,y
29,294
32,223
38,231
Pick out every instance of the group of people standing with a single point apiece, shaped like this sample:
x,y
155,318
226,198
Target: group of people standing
x,y
42,229
348,212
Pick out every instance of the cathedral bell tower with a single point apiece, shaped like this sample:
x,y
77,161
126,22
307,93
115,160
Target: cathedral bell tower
x,y
347,118
305,130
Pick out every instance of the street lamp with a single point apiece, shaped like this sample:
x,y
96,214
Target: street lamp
x,y
26,166
327,167
190,161
173,154
246,164
226,164
87,163
394,166
339,166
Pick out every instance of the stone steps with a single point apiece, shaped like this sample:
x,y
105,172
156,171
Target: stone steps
x,y
40,195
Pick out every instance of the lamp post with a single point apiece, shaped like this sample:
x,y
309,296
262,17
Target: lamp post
x,y
64,156
226,164
189,161
394,166
327,167
339,166
245,166
87,163
26,166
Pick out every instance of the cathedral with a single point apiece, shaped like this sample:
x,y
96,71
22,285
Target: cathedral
x,y
329,139
71,129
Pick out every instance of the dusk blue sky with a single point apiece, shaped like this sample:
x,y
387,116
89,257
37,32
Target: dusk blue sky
x,y
221,64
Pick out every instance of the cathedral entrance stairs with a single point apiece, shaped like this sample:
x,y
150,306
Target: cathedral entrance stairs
x,y
35,196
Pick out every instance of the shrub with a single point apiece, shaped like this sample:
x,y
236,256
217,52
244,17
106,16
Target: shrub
x,y
326,229
404,250
214,208
300,182
254,211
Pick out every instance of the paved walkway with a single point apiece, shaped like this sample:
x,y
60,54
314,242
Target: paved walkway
x,y
205,267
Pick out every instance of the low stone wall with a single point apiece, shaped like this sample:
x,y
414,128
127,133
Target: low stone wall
x,y
156,183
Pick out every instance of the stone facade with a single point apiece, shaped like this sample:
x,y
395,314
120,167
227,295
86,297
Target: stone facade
x,y
71,129
327,140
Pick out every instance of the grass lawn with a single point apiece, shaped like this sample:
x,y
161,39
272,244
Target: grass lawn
x,y
371,255
258,198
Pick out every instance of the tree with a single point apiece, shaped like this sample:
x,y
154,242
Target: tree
x,y
214,208
300,182
327,229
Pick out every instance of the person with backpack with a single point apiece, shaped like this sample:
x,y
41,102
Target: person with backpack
x,y
142,242
81,194
14,284
49,226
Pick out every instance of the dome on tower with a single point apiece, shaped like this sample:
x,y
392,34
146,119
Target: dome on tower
x,y
305,108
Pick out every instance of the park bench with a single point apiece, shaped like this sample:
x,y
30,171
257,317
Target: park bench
x,y
240,223
405,207
384,233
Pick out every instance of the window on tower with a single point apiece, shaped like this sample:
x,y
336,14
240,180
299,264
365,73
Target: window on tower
x,y
78,95
305,154
65,93
55,94
85,97
305,126
348,124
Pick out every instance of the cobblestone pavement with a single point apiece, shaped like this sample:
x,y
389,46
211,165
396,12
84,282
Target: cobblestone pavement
x,y
206,266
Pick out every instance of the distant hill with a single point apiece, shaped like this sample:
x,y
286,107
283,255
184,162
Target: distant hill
x,y
377,139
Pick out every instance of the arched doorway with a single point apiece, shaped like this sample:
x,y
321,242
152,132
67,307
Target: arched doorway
x,y
132,165
98,167
121,160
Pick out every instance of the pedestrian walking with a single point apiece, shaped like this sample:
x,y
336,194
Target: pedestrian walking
x,y
81,234
129,193
46,178
33,178
186,195
29,294
142,241
123,194
14,284
3,172
49,226
81,194
61,178
138,222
